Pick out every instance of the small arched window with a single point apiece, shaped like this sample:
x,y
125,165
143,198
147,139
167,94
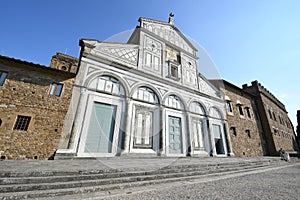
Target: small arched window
x,y
216,113
145,94
174,102
64,68
196,107
107,84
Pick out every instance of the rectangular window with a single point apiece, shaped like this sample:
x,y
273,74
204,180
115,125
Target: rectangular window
x,y
22,123
174,71
240,109
233,131
270,114
228,106
248,112
248,133
274,116
3,76
56,89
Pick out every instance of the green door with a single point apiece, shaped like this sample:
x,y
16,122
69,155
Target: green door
x,y
175,138
101,129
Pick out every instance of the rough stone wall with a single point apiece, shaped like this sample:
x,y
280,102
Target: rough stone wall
x,y
26,92
242,144
278,133
282,133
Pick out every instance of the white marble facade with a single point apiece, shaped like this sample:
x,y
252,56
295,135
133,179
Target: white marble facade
x,y
144,97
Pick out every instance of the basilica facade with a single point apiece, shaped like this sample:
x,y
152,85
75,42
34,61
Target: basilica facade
x,y
143,97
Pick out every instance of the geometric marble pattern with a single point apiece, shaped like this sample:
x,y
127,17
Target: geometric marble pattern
x,y
125,54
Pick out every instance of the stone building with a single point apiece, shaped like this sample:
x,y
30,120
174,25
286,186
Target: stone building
x,y
34,100
277,128
243,120
144,97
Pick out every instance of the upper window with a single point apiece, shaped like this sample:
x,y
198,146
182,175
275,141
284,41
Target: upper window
x,y
274,116
228,106
22,123
56,89
174,71
248,112
3,76
270,114
240,109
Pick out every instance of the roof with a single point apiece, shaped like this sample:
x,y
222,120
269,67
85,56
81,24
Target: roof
x,y
31,64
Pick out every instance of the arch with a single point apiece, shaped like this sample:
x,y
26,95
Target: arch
x,y
216,113
140,85
174,101
91,80
145,94
196,106
174,94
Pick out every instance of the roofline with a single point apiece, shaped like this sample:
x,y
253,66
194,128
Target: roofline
x,y
225,82
35,65
168,24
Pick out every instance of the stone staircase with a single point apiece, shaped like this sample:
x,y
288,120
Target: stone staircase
x,y
34,184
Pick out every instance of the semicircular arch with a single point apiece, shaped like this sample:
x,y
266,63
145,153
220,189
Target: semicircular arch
x,y
140,85
96,75
169,94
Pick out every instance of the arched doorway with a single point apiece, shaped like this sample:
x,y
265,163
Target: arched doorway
x,y
145,124
175,127
199,138
100,131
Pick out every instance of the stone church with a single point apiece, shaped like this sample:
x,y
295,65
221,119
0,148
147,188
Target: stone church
x,y
145,97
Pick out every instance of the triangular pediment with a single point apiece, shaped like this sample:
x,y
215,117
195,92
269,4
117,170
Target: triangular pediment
x,y
207,88
169,33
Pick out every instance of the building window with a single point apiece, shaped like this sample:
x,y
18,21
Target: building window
x,y
174,71
248,112
274,116
3,76
228,106
56,89
233,131
270,114
22,123
248,133
240,109
276,132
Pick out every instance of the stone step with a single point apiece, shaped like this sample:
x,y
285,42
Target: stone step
x,y
83,187
85,181
93,175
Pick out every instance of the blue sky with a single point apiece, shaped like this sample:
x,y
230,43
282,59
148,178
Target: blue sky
x,y
247,40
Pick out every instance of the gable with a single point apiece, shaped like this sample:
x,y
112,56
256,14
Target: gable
x,y
207,88
169,33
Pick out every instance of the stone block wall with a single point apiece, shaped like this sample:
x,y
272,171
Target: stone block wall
x,y
277,127
26,92
281,129
244,143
